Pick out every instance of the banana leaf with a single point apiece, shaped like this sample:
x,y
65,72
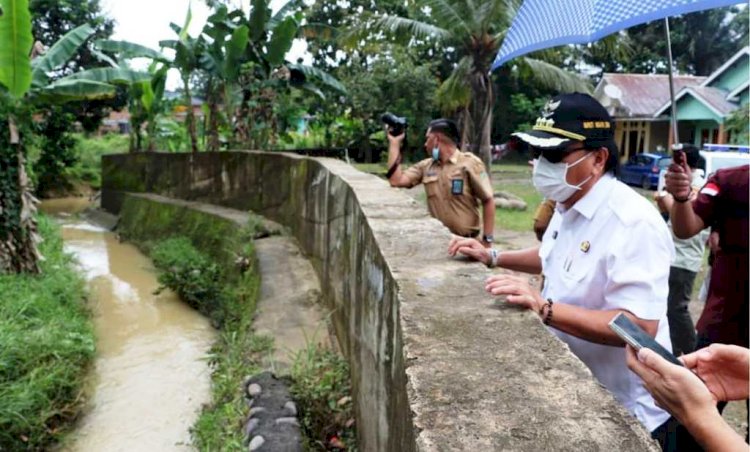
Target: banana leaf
x,y
60,53
130,50
110,75
281,41
65,90
15,45
324,77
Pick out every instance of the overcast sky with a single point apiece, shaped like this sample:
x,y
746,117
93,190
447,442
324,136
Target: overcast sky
x,y
146,22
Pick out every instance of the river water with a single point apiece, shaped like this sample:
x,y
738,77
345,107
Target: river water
x,y
150,377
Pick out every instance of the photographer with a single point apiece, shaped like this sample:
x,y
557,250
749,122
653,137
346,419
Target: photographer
x,y
453,180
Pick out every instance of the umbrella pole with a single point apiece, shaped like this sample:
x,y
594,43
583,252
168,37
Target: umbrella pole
x,y
671,83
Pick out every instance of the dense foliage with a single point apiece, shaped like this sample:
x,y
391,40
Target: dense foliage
x,y
197,280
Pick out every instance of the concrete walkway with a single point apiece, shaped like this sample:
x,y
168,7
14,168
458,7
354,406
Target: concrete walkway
x,y
289,307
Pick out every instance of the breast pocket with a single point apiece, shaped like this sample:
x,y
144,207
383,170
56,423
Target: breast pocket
x,y
431,185
575,267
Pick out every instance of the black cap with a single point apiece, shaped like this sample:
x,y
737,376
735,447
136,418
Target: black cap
x,y
447,127
570,117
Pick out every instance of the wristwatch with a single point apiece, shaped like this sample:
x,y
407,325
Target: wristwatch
x,y
488,238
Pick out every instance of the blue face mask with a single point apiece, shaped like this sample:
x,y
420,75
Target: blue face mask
x,y
436,153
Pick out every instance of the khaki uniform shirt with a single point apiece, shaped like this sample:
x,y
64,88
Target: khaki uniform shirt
x,y
544,212
453,189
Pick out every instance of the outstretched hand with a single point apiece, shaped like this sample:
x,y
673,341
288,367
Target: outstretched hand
x,y
675,388
724,369
517,290
472,248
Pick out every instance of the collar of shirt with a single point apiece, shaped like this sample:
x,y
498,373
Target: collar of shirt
x,y
591,201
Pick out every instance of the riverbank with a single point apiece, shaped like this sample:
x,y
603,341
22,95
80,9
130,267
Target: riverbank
x,y
210,262
47,342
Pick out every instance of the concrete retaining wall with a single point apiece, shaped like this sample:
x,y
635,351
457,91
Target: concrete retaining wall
x,y
436,364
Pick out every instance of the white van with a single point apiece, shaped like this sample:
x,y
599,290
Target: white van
x,y
724,156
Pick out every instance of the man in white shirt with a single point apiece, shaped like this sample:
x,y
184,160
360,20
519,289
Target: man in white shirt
x,y
688,260
606,251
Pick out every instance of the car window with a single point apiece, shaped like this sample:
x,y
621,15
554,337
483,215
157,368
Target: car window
x,y
642,160
663,163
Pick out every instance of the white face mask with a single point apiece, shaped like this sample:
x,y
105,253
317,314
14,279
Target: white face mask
x,y
550,179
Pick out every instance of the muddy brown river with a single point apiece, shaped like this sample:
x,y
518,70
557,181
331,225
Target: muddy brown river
x,y
150,377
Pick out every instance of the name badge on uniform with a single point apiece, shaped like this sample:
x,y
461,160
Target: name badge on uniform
x,y
457,186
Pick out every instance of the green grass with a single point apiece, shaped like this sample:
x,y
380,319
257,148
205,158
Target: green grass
x,y
516,169
47,343
517,220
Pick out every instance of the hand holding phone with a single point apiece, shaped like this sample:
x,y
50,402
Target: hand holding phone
x,y
634,336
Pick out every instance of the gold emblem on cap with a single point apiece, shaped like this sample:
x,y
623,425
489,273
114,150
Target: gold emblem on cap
x,y
542,122
585,246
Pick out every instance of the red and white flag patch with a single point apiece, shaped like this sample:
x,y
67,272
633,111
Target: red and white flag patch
x,y
710,189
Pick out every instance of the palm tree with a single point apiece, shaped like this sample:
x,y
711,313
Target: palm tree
x,y
475,29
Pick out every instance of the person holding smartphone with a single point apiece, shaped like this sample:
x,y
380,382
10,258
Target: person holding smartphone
x,y
606,251
718,373
723,204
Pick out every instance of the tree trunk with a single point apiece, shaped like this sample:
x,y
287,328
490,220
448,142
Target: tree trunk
x,y
481,115
190,117
214,98
18,227
151,132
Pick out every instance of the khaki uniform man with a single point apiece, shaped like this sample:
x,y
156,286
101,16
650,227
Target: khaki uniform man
x,y
455,182
542,216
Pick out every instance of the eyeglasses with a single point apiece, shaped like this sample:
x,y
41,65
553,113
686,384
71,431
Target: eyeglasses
x,y
556,156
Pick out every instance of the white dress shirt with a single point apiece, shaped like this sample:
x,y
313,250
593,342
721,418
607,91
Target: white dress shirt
x,y
611,250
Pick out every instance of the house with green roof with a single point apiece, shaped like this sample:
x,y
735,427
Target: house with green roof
x,y
641,108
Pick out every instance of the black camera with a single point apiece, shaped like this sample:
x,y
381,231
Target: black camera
x,y
396,124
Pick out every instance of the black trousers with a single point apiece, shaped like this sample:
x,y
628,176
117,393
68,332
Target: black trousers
x,y
681,329
674,437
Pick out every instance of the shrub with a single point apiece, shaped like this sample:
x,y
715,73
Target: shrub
x,y
193,276
321,385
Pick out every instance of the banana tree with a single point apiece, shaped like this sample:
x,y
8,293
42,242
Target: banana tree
x,y
145,93
26,86
226,39
187,55
266,72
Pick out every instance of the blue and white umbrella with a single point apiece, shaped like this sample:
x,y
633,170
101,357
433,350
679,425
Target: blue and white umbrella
x,y
541,24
